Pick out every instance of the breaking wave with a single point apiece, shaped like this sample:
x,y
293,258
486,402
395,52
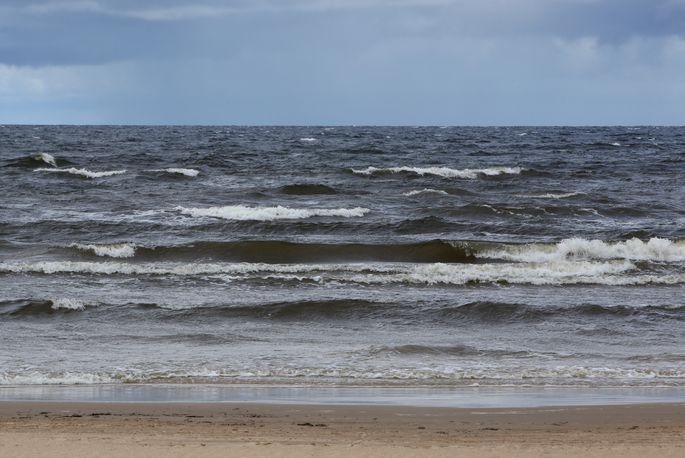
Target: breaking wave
x,y
274,251
83,172
47,158
485,374
552,273
178,171
425,191
549,195
442,171
115,250
245,213
29,307
655,249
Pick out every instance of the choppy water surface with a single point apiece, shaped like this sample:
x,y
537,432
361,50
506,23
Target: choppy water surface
x,y
417,256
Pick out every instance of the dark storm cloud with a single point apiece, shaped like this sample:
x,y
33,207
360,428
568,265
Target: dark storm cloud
x,y
97,31
343,61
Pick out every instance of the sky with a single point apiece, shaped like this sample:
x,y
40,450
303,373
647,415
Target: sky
x,y
343,62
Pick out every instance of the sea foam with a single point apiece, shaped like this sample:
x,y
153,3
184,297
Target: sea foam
x,y
424,191
551,195
115,250
47,158
550,273
655,249
83,172
179,171
245,213
443,171
68,304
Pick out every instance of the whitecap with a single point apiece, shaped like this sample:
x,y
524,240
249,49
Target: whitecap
x,y
52,378
308,139
559,273
541,273
550,195
424,191
68,304
615,144
245,213
83,172
186,269
655,249
47,158
445,172
114,250
180,171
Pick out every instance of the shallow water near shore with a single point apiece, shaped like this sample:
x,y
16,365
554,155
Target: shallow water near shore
x,y
463,397
326,257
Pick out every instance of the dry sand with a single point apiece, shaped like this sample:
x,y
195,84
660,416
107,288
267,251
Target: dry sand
x,y
61,429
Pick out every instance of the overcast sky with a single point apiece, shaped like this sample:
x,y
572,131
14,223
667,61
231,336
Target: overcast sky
x,y
439,62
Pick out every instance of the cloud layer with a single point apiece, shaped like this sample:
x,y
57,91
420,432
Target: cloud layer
x,y
343,62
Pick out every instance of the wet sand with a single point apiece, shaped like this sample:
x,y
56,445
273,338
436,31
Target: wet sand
x,y
40,428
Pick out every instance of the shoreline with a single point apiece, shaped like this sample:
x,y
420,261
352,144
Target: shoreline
x,y
416,396
42,428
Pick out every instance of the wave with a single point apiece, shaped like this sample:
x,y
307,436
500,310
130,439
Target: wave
x,y
308,140
442,171
332,309
269,251
549,195
37,377
29,307
245,213
114,250
443,350
655,249
487,311
559,273
34,160
618,273
47,158
441,374
178,171
83,172
340,309
425,191
306,189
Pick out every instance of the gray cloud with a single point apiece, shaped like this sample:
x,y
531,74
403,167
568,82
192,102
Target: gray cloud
x,y
335,61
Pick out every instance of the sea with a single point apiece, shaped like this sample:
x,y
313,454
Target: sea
x,y
342,256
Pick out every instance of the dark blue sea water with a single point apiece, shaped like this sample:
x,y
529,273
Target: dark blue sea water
x,y
347,255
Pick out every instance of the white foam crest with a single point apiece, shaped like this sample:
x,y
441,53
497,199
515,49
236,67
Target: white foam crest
x,y
457,373
551,273
185,269
655,249
68,304
536,274
550,195
443,171
424,191
186,172
61,378
308,140
615,144
83,172
47,158
245,213
114,250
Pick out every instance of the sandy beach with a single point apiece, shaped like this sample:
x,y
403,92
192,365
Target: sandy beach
x,y
71,429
